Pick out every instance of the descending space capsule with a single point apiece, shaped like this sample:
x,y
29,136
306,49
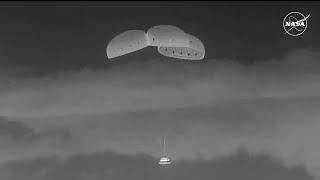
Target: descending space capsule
x,y
164,160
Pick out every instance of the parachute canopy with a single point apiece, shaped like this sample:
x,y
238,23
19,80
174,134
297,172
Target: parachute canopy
x,y
193,51
171,41
167,35
127,42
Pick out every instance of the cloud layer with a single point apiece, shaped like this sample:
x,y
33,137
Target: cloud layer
x,y
207,109
110,165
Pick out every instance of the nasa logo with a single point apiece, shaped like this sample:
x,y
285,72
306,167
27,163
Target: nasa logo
x,y
295,23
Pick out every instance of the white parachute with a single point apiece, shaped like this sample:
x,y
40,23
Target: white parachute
x,y
127,42
194,50
167,35
171,41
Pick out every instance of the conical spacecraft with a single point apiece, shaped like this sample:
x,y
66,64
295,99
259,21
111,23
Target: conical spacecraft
x,y
164,160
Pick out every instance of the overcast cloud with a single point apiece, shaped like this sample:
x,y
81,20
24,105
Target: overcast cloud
x,y
208,110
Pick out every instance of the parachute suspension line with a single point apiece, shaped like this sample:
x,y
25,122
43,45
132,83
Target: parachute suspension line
x,y
164,146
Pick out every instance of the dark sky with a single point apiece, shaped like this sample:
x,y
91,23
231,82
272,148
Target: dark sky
x,y
58,36
67,112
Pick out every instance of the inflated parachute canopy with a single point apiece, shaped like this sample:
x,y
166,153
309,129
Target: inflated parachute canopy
x,y
170,40
193,51
167,35
127,42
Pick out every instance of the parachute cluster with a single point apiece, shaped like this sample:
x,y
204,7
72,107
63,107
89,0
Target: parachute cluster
x,y
170,41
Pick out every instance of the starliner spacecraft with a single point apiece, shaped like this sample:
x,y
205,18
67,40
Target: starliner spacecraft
x,y
170,41
164,160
